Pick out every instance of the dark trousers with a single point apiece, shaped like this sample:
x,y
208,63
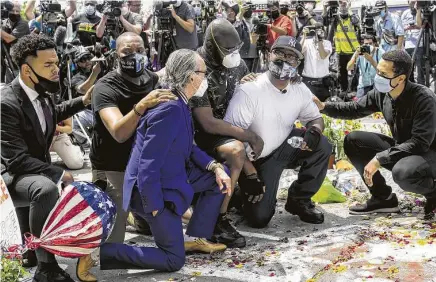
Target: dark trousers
x,y
167,230
312,173
418,63
317,88
36,195
343,72
415,173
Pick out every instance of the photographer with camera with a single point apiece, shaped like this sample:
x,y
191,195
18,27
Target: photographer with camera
x,y
365,61
130,21
345,25
281,24
305,16
412,22
185,28
85,23
389,28
316,51
13,28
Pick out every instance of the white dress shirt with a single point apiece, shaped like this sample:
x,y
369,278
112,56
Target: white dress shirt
x,y
33,95
314,66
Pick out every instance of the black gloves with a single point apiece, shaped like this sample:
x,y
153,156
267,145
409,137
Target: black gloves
x,y
312,136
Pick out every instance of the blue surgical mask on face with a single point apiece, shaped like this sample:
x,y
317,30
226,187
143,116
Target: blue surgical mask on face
x,y
382,14
383,84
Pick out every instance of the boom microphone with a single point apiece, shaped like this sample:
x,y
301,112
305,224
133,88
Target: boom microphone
x,y
59,36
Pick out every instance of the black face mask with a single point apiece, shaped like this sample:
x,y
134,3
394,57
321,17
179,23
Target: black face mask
x,y
133,65
248,14
44,85
14,18
275,14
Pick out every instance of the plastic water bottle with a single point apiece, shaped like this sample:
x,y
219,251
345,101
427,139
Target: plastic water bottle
x,y
249,152
296,142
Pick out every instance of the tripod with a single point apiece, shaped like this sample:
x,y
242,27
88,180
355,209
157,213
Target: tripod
x,y
260,63
166,45
425,35
8,64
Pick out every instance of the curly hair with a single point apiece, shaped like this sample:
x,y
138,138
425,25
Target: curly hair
x,y
29,45
179,67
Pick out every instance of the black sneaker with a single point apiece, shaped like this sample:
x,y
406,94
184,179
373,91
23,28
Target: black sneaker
x,y
306,211
51,272
390,205
226,234
429,209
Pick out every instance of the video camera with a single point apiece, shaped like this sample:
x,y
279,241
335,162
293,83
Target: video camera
x,y
368,21
111,8
332,8
260,27
6,6
208,11
163,14
427,8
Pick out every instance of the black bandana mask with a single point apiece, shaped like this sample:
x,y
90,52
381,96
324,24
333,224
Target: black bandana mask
x,y
133,65
44,85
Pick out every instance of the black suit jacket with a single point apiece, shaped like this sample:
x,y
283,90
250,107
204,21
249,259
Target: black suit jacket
x,y
24,147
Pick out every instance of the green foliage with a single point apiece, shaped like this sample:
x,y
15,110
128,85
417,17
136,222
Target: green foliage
x,y
12,271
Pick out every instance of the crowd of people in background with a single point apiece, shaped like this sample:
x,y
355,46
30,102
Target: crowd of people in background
x,y
211,129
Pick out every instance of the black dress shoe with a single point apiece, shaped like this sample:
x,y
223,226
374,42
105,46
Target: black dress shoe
x,y
51,272
429,209
374,204
306,210
29,259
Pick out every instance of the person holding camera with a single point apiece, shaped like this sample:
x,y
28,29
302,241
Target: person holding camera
x,y
130,21
410,111
185,28
364,62
346,36
412,21
305,16
13,28
269,106
389,28
85,24
281,24
316,51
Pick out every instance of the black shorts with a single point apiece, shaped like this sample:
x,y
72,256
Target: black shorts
x,y
209,142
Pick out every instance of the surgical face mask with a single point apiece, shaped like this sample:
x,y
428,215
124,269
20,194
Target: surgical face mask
x,y
383,13
232,60
44,85
275,14
133,65
197,11
90,10
282,70
202,88
309,7
179,2
383,84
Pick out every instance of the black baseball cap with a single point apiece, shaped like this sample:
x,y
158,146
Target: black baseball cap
x,y
289,43
379,4
82,53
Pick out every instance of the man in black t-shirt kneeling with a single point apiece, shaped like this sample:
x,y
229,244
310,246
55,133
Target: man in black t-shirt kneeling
x,y
119,100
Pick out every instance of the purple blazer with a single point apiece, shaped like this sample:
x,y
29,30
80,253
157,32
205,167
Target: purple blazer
x,y
162,153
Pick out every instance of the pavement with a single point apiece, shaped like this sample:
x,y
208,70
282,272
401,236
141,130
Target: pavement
x,y
393,247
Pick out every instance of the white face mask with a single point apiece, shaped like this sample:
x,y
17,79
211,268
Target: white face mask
x,y
90,10
232,60
201,89
383,84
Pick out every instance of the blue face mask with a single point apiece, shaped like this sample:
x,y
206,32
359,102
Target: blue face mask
x,y
383,84
382,14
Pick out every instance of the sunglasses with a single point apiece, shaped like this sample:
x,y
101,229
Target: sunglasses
x,y
290,58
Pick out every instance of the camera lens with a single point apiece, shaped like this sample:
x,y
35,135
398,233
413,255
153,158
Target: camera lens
x,y
117,12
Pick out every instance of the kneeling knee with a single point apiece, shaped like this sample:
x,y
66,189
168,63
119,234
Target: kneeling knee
x,y
175,263
259,221
46,189
234,149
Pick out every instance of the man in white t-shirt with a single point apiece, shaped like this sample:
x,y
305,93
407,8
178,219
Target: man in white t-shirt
x,y
269,107
316,53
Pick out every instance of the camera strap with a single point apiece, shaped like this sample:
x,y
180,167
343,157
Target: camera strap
x,y
346,35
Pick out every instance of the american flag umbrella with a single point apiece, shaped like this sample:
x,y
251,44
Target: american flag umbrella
x,y
80,222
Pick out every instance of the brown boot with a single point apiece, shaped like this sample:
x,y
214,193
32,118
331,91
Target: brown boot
x,y
203,246
84,265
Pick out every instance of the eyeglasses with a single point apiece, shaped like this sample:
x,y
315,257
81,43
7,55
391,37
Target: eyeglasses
x,y
287,57
203,72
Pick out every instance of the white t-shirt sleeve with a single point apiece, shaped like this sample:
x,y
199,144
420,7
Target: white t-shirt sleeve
x,y
241,109
309,111
327,46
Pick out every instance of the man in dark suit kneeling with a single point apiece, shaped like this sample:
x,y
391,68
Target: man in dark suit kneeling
x,y
28,123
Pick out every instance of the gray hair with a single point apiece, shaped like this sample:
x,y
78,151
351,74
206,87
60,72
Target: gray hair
x,y
179,67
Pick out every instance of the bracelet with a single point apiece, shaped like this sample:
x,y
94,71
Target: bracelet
x,y
215,166
136,112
